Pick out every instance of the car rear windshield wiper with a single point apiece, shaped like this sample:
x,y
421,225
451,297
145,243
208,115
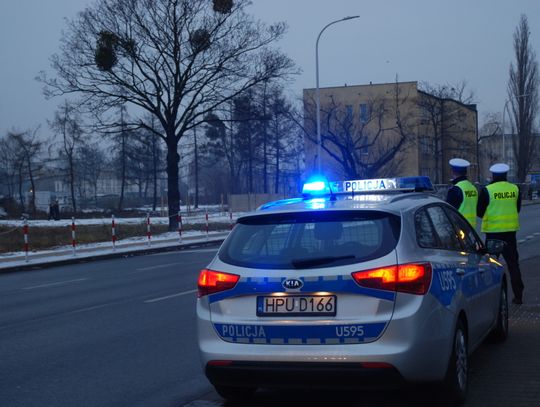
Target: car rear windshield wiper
x,y
318,261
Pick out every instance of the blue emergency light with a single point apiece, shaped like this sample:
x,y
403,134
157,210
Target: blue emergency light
x,y
316,187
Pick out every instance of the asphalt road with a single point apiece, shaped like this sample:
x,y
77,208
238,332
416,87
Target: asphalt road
x,y
122,333
109,333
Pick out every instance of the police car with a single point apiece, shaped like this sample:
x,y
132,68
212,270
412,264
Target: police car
x,y
358,283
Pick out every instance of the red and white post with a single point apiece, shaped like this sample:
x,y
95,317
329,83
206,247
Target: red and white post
x,y
25,232
148,232
206,227
113,229
73,241
179,220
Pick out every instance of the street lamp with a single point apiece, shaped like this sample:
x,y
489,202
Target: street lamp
x,y
318,93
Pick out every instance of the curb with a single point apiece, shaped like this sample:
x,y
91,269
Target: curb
x,y
112,255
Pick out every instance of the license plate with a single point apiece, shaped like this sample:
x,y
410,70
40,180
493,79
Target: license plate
x,y
296,305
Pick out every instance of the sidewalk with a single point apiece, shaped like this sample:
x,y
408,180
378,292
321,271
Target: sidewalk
x,y
65,255
508,374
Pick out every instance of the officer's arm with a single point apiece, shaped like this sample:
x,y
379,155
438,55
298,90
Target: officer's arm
x,y
454,197
483,202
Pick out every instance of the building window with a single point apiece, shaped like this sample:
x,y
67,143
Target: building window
x,y
365,113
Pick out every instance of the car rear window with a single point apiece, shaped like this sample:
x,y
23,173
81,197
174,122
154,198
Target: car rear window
x,y
310,239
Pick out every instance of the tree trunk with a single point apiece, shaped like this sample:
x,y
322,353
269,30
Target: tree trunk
x,y
173,194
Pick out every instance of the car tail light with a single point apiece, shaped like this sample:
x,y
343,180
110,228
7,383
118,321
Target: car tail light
x,y
413,278
211,281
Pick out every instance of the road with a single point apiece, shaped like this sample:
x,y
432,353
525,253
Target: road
x,y
109,333
122,333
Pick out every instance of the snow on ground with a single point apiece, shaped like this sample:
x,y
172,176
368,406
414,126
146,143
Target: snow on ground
x,y
125,246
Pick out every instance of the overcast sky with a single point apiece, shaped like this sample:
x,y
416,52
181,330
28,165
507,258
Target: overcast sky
x,y
436,41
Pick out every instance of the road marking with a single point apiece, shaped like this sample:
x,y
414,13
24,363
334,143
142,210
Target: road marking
x,y
160,266
521,241
54,284
171,296
537,233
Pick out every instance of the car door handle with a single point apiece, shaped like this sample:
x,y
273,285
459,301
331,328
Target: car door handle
x,y
460,272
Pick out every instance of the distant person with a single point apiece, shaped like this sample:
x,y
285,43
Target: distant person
x,y
51,210
56,210
499,204
463,195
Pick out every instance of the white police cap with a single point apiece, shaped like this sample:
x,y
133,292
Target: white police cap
x,y
499,168
459,163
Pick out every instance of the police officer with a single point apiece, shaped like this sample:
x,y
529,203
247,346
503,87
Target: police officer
x,y
499,204
463,194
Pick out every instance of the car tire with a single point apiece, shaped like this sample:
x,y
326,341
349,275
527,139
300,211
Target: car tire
x,y
235,393
500,331
456,382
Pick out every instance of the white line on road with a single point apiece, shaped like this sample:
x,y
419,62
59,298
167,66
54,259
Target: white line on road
x,y
160,266
171,296
54,284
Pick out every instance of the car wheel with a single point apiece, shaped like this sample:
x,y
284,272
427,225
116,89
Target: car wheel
x,y
500,332
235,393
458,367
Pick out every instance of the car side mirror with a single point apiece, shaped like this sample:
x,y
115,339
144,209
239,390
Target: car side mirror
x,y
495,246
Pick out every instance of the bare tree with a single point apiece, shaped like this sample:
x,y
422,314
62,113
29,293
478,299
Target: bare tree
x,y
442,114
177,60
67,124
9,152
365,148
90,162
29,149
523,95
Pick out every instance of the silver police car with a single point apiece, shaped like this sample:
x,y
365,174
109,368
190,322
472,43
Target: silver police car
x,y
360,283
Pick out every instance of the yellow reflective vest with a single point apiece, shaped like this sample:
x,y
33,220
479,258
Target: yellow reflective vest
x,y
470,201
501,213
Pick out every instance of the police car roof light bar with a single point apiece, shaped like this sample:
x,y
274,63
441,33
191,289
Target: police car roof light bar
x,y
319,187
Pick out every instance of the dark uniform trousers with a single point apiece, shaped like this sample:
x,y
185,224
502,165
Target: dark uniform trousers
x,y
511,256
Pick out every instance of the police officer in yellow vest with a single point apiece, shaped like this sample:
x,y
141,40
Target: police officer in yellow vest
x,y
499,204
463,194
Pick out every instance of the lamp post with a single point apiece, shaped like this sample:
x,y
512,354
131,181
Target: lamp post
x,y
318,93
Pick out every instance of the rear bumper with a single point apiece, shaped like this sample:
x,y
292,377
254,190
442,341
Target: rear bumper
x,y
303,375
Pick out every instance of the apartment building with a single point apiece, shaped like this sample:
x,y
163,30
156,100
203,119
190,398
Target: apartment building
x,y
390,129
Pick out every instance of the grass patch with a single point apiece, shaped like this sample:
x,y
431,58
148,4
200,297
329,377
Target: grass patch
x,y
41,238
